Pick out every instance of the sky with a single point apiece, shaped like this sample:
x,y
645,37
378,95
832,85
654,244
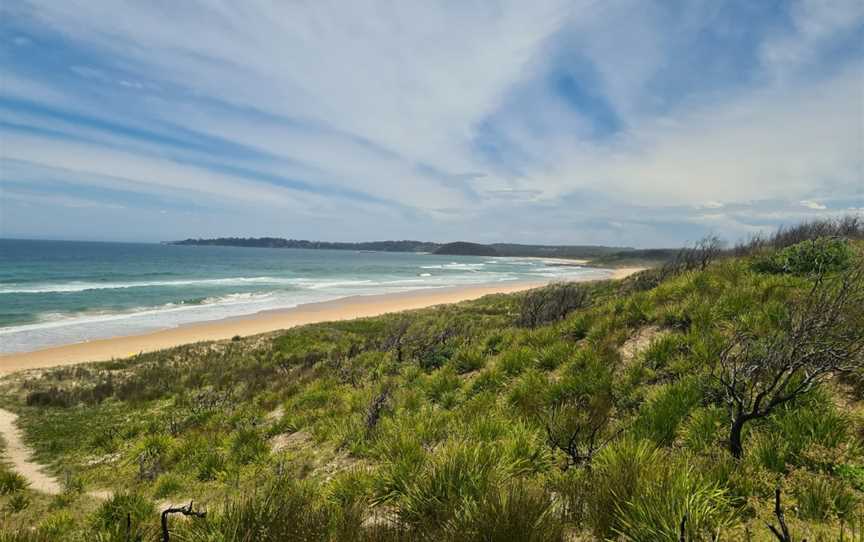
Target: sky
x,y
619,122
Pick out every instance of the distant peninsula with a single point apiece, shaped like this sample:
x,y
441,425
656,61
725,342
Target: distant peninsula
x,y
462,248
278,242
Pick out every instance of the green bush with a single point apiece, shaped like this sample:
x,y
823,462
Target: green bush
x,y
528,395
769,450
671,493
113,514
11,481
821,255
18,502
57,526
663,350
458,475
514,361
821,497
167,485
247,446
468,359
516,512
658,421
550,357
617,476
209,464
441,383
282,510
704,428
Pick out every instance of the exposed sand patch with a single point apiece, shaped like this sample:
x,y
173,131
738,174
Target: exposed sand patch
x,y
19,455
638,343
625,272
289,441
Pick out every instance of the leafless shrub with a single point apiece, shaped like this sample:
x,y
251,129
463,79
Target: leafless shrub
x,y
822,335
552,303
149,466
578,428
373,413
695,258
700,255
395,338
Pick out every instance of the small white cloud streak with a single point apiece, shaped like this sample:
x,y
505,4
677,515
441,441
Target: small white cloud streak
x,y
813,205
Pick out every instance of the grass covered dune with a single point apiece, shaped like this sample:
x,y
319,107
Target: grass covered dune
x,y
671,405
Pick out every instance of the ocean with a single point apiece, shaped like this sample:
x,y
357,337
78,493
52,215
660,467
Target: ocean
x,y
61,292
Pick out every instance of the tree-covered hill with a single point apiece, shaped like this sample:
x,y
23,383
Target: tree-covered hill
x,y
669,406
467,249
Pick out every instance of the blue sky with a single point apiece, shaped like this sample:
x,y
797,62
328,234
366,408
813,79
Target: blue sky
x,y
617,122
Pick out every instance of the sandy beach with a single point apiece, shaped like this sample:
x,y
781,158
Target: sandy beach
x,y
262,322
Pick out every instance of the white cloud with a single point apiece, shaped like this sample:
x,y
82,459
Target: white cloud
x,y
772,144
813,205
815,23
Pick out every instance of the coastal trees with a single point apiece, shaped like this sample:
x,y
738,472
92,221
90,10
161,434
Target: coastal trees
x,y
820,335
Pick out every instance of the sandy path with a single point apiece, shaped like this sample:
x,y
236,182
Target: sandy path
x,y
18,454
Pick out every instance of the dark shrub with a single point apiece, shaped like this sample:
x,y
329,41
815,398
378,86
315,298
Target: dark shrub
x,y
551,303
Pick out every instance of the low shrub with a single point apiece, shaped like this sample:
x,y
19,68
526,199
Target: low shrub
x,y
821,497
11,481
659,420
18,502
672,493
516,512
468,359
617,476
457,476
514,361
813,256
247,445
551,303
282,510
167,485
123,511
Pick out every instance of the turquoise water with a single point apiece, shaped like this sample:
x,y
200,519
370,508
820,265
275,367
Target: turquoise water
x,y
60,292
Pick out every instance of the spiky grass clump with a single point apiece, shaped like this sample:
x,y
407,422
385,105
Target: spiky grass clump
x,y
11,481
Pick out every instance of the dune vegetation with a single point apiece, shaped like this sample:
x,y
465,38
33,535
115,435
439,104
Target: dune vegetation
x,y
672,405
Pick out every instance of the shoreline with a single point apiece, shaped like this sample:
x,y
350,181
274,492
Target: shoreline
x,y
347,308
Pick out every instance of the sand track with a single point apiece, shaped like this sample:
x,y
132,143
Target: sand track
x,y
19,455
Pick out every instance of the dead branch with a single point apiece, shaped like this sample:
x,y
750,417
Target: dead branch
x,y
185,510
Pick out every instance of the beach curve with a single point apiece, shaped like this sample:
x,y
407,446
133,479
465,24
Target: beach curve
x,y
267,321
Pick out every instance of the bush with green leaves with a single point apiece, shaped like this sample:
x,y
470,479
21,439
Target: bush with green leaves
x,y
124,514
671,493
813,256
11,481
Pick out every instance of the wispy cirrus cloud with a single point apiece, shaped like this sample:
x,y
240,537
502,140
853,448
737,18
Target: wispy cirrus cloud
x,y
623,122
